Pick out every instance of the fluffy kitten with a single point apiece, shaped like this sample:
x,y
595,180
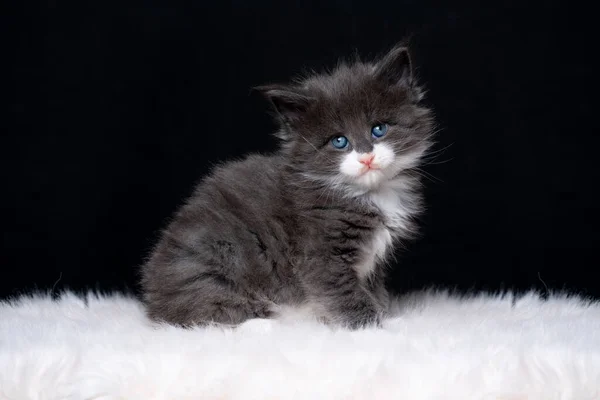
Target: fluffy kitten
x,y
311,225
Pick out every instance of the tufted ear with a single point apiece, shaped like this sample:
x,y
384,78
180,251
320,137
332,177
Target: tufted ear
x,y
289,102
395,68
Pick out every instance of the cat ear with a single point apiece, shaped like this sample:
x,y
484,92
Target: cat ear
x,y
290,103
395,68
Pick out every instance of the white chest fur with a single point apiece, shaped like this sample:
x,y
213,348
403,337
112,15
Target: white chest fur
x,y
392,200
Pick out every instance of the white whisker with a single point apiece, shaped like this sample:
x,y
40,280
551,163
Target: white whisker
x,y
312,145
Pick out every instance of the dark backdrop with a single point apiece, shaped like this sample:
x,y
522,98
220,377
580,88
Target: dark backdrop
x,y
114,110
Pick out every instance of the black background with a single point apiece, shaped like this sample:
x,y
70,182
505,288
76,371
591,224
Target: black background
x,y
114,110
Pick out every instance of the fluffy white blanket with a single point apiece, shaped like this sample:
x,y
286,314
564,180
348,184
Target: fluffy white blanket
x,y
437,347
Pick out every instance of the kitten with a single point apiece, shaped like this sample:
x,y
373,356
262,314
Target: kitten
x,y
312,225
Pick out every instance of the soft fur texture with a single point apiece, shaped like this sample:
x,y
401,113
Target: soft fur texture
x,y
311,225
436,347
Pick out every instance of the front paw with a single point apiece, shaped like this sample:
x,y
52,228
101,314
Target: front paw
x,y
361,315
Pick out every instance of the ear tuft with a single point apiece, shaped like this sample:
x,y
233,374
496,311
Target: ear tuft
x,y
395,68
289,102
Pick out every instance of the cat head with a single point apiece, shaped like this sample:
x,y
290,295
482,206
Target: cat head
x,y
356,127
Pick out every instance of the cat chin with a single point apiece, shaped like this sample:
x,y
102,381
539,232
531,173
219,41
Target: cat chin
x,y
370,182
371,179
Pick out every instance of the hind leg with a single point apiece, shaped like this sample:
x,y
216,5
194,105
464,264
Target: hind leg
x,y
209,305
202,300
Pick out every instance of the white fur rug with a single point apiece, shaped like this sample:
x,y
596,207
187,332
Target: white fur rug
x,y
437,347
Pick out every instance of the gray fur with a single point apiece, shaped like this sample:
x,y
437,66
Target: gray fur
x,y
273,230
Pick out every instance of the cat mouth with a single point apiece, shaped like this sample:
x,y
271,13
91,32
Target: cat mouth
x,y
370,176
365,170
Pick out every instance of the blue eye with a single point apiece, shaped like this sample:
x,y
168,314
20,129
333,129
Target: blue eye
x,y
339,142
379,130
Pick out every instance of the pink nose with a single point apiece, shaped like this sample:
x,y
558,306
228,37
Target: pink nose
x,y
366,159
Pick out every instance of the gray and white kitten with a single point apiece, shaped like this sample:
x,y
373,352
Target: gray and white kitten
x,y
312,225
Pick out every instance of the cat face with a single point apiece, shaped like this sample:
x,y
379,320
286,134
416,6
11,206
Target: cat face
x,y
357,127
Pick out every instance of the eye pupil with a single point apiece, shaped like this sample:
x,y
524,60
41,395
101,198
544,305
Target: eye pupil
x,y
379,130
339,142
